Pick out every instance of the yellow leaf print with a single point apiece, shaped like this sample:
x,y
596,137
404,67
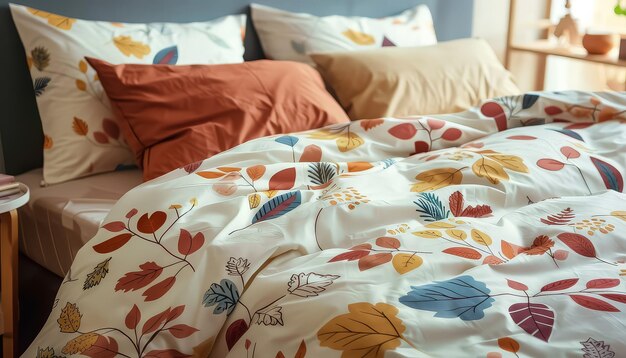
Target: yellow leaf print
x,y
326,134
428,234
176,206
254,200
80,343
490,169
481,237
69,320
129,47
359,38
404,262
457,234
619,214
82,66
80,127
47,142
375,328
349,141
81,85
270,193
440,225
99,272
437,178
62,22
511,162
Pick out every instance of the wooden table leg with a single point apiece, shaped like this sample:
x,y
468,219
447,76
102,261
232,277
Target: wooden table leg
x,y
8,257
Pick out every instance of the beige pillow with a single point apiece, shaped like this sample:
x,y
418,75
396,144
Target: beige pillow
x,y
445,78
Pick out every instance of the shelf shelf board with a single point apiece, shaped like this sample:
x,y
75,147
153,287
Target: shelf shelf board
x,y
546,47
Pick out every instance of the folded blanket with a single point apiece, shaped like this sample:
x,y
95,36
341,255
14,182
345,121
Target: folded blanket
x,y
500,231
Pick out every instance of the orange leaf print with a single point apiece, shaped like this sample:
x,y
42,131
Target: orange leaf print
x,y
508,344
359,166
80,127
283,180
82,66
311,153
229,169
62,22
368,124
256,172
47,142
210,175
81,85
129,47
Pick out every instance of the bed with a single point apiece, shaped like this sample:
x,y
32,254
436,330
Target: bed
x,y
488,232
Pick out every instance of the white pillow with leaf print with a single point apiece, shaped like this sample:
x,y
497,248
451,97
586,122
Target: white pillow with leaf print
x,y
292,36
81,136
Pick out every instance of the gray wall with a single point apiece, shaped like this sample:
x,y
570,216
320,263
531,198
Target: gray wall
x,y
21,136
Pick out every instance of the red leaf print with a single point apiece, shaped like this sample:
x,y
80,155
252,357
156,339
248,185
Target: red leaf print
x,y
452,134
516,285
615,297
560,285
578,243
435,124
105,347
464,252
311,153
569,152
112,244
365,246
100,137
371,261
133,317
165,353
540,245
578,126
552,110
280,355
350,256
139,279
521,137
492,260
593,303
603,283
111,128
507,249
403,131
561,255
536,319
187,245
235,331
421,147
301,353
155,322
175,312
456,203
114,226
248,343
131,213
550,164
148,224
388,242
157,291
562,218
182,330
283,180
495,111
476,212
191,167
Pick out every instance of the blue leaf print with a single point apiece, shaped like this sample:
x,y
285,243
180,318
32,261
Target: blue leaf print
x,y
287,140
431,208
569,132
278,206
529,100
611,177
167,56
40,85
461,297
224,296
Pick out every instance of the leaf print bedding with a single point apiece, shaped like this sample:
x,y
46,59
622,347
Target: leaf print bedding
x,y
496,232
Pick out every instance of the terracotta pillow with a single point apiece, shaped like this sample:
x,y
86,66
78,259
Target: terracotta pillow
x,y
445,78
175,115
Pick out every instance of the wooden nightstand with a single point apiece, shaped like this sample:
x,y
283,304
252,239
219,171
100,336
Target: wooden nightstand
x,y
8,271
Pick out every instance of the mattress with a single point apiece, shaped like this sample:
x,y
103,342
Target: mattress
x,y
61,218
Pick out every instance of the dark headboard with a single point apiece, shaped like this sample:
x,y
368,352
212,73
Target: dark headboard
x,y
21,136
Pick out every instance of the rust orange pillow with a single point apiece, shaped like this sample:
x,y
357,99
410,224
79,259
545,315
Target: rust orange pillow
x,y
175,115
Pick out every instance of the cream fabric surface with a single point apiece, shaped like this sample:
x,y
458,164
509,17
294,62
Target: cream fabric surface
x,y
292,36
445,78
81,135
341,242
